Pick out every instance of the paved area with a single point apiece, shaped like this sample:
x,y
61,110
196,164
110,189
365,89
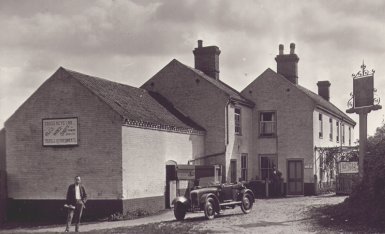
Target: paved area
x,y
283,215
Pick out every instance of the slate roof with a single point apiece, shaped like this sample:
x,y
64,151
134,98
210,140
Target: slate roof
x,y
326,104
318,100
234,94
138,106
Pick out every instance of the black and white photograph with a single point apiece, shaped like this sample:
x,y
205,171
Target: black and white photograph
x,y
192,116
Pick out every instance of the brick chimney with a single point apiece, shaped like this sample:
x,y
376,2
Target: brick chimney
x,y
323,89
207,59
287,64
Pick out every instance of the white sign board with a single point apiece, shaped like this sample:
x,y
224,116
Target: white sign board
x,y
348,167
60,132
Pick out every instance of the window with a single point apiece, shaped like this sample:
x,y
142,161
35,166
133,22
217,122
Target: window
x,y
267,124
331,129
244,167
350,136
237,117
267,166
343,133
321,130
338,131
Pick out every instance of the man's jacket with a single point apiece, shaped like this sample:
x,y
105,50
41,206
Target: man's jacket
x,y
71,197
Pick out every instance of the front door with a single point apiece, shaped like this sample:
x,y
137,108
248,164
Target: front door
x,y
233,170
295,177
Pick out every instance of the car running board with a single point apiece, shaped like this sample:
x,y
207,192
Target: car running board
x,y
231,203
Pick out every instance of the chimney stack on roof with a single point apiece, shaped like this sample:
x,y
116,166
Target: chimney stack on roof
x,y
207,59
287,64
323,89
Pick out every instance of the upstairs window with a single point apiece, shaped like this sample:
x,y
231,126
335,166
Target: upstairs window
x,y
350,136
267,124
343,133
321,129
244,167
331,129
338,131
237,117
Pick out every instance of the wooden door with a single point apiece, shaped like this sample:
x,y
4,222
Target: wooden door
x,y
233,170
295,177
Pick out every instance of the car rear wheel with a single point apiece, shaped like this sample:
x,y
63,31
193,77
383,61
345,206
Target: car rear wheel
x,y
179,211
247,203
209,209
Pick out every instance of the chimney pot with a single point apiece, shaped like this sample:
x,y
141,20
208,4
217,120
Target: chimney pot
x,y
287,64
280,49
207,59
323,89
292,48
200,43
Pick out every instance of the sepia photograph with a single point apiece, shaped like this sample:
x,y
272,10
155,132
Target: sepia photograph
x,y
192,116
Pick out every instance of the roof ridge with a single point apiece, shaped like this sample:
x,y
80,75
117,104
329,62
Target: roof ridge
x,y
212,81
183,124
300,88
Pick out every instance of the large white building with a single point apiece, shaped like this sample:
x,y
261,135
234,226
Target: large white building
x,y
120,139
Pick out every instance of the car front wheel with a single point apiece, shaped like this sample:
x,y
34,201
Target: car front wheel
x,y
209,209
179,211
247,203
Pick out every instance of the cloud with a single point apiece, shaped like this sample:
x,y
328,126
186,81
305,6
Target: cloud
x,y
129,41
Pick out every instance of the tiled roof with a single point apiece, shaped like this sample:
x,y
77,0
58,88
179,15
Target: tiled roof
x,y
137,106
326,104
318,100
221,85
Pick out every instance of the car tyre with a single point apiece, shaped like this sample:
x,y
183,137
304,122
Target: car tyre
x,y
247,203
179,211
209,209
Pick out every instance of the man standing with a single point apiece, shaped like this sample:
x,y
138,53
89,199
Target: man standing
x,y
76,198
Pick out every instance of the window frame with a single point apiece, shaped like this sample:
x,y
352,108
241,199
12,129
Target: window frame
x,y
342,133
237,121
273,133
331,129
320,125
244,166
338,131
274,157
350,136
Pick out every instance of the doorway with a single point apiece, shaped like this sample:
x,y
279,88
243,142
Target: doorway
x,y
233,171
295,177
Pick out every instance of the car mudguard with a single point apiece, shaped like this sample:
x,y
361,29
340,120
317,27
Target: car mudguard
x,y
244,191
183,200
204,197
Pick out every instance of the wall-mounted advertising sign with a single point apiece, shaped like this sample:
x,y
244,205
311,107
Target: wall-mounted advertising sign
x,y
57,132
348,167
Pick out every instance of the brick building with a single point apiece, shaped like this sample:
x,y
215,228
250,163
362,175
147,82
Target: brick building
x,y
123,137
289,121
109,128
273,122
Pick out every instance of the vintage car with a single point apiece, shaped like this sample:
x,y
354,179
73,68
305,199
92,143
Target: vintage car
x,y
213,199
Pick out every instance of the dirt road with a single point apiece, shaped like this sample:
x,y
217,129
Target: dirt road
x,y
284,215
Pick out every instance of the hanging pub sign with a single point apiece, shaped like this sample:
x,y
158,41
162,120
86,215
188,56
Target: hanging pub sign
x,y
363,88
363,91
60,132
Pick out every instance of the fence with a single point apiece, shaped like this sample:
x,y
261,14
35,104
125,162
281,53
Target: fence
x,y
345,183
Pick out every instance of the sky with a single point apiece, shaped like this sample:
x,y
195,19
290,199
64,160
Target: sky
x,y
130,41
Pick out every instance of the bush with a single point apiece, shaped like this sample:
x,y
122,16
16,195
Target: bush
x,y
367,200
